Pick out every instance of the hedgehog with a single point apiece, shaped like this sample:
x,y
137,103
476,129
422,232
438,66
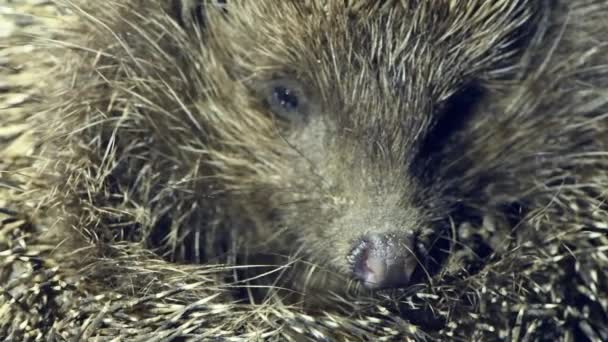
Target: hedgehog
x,y
327,170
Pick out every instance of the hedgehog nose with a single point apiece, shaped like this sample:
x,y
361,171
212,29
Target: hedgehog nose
x,y
383,261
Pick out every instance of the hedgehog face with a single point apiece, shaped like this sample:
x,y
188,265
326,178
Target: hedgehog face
x,y
329,115
344,183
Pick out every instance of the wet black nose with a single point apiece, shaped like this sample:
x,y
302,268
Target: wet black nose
x,y
383,261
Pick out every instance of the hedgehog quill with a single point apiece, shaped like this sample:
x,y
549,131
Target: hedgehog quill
x,y
344,169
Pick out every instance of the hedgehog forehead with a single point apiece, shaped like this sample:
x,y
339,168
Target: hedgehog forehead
x,y
380,71
351,63
264,33
322,48
390,37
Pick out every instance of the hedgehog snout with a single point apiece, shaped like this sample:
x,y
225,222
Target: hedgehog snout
x,y
383,261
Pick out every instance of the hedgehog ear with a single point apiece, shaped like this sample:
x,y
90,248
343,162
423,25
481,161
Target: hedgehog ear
x,y
191,14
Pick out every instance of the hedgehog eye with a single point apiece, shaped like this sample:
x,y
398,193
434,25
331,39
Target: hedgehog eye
x,y
284,99
287,102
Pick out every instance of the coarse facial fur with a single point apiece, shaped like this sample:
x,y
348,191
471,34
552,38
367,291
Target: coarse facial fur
x,y
376,82
412,123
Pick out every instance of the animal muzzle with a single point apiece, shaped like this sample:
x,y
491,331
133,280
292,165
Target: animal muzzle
x,y
383,261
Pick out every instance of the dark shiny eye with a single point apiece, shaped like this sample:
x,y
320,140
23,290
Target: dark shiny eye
x,y
287,101
285,97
